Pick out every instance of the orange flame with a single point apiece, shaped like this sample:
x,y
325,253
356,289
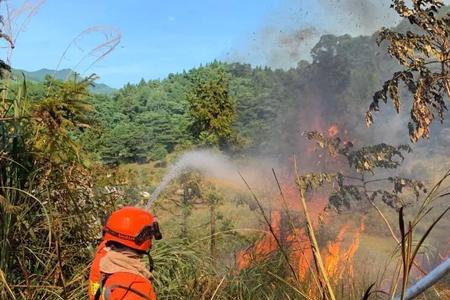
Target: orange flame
x,y
339,264
333,130
338,260
301,252
348,256
334,249
264,247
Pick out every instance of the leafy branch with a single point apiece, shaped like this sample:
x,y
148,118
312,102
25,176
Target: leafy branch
x,y
424,54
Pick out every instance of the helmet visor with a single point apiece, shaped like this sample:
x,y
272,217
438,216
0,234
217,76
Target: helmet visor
x,y
147,233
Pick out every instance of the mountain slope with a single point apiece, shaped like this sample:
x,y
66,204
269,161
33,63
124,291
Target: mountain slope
x,y
39,76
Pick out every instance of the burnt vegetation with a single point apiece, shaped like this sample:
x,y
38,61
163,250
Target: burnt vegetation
x,y
423,52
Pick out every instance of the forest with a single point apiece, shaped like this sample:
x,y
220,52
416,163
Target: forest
x,y
328,180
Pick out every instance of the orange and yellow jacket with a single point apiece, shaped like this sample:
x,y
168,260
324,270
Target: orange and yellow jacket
x,y
118,285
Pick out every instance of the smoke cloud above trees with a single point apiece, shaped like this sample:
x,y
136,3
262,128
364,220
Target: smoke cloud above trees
x,y
288,35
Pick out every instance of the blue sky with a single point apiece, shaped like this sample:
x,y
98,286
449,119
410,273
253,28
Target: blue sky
x,y
161,37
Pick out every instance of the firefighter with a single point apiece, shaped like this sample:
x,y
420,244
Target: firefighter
x,y
119,270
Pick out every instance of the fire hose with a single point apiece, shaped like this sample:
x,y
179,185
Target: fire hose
x,y
428,281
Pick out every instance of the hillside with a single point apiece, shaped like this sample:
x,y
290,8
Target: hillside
x,y
39,76
147,120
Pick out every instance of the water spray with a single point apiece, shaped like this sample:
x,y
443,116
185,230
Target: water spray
x,y
206,161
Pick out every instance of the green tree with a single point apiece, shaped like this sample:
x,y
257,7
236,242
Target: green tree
x,y
142,122
127,142
212,107
167,130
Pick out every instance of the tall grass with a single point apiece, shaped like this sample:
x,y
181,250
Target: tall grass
x,y
183,272
48,209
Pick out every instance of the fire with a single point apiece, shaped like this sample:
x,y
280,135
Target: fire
x,y
264,247
302,253
337,259
334,249
333,130
316,206
348,256
338,254
338,262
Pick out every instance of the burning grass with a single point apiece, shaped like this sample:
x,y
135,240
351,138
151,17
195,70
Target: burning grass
x,y
355,245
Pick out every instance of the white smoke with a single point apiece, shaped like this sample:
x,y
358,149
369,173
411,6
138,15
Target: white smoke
x,y
208,162
357,17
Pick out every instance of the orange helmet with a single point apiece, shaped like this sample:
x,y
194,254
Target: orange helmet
x,y
132,227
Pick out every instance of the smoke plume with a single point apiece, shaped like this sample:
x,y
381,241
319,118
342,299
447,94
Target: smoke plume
x,y
358,17
290,32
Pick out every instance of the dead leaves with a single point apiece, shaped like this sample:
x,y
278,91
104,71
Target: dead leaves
x,y
358,189
424,55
